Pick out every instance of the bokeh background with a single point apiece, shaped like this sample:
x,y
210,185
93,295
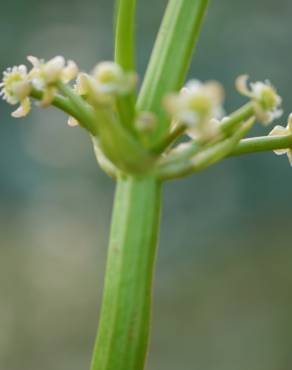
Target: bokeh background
x,y
224,272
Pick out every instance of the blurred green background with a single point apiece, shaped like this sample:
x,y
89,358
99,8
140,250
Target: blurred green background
x,y
224,272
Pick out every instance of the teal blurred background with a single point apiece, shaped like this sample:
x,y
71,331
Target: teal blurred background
x,y
224,272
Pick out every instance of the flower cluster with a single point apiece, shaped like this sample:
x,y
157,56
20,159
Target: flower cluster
x,y
196,106
197,109
18,82
45,75
16,88
107,81
264,96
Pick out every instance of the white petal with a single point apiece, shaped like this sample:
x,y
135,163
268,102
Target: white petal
x,y
48,97
21,89
190,118
289,154
34,61
72,122
22,69
53,69
289,125
280,151
242,86
82,83
70,71
279,131
23,109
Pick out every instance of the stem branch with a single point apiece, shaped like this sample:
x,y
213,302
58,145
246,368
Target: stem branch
x,y
262,144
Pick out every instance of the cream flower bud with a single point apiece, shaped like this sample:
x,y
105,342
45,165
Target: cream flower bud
x,y
265,98
70,72
52,70
196,105
112,79
108,80
21,89
82,84
16,88
47,73
283,131
23,109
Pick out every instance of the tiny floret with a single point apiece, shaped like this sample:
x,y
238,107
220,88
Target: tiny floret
x,y
107,81
283,131
82,85
111,78
16,88
196,106
45,75
264,96
54,70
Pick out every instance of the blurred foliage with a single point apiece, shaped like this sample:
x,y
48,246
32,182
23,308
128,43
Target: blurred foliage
x,y
223,285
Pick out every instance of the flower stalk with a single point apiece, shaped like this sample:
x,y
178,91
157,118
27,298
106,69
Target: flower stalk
x,y
262,144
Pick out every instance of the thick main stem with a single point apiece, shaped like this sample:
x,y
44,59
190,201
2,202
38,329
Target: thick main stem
x,y
123,334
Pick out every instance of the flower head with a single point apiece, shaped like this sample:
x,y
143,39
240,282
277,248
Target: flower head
x,y
44,75
107,81
196,106
265,98
56,69
282,131
111,78
16,88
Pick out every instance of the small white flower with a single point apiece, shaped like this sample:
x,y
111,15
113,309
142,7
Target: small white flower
x,y
44,75
16,88
82,85
196,106
283,131
52,71
112,79
265,98
70,71
107,81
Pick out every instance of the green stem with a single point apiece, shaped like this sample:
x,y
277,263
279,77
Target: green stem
x,y
125,54
171,56
129,156
59,102
125,34
240,115
227,128
123,334
262,144
167,141
85,111
205,157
